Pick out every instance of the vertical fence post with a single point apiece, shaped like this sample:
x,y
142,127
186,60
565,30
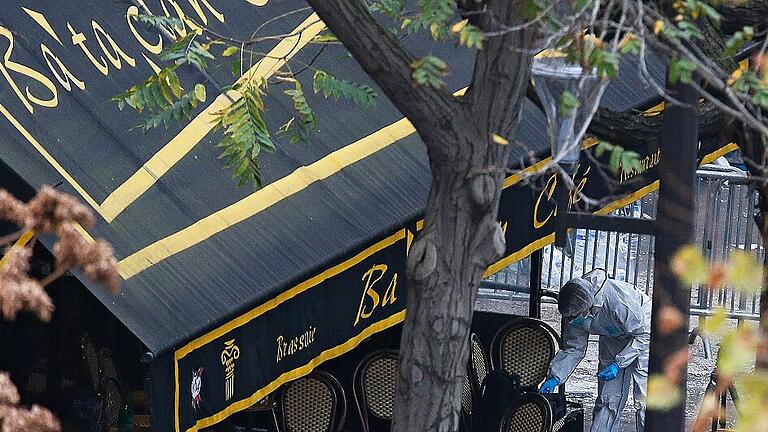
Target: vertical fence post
x,y
674,228
534,303
762,358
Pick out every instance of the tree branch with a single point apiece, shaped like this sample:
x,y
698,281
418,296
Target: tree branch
x,y
500,67
736,15
386,61
634,130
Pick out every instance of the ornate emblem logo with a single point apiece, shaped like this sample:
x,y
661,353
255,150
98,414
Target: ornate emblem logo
x,y
196,387
230,353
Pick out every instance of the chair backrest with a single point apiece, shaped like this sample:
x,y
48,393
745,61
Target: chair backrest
x,y
531,413
477,369
525,346
374,388
107,367
111,389
313,403
466,395
480,365
113,402
90,360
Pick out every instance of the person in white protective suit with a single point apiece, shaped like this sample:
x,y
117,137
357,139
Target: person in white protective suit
x,y
621,316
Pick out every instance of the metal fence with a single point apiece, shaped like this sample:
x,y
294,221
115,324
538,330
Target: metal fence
x,y
724,223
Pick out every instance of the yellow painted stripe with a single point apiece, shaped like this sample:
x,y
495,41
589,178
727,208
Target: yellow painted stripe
x,y
527,172
621,202
47,156
275,302
522,253
541,166
289,294
720,152
615,205
264,198
20,242
291,375
194,132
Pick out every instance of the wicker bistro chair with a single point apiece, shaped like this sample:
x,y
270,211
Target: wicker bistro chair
x,y
472,385
531,413
525,346
314,403
90,360
467,403
374,388
480,364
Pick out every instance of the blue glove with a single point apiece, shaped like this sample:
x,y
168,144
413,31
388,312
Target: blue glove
x,y
610,372
549,385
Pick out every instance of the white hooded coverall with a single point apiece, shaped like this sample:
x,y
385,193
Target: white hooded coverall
x,y
621,316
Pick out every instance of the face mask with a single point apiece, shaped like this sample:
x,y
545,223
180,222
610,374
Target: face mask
x,y
581,319
578,321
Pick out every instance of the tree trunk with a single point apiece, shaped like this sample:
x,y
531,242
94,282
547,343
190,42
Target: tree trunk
x,y
461,234
674,229
445,266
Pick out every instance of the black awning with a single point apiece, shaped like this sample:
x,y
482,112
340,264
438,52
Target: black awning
x,y
195,249
272,281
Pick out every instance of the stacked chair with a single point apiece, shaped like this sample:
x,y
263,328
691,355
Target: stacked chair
x,y
374,388
531,413
313,403
477,370
98,406
523,347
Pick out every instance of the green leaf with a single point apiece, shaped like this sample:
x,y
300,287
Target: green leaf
x,y
429,71
245,135
737,41
753,389
614,163
605,63
744,272
709,11
237,67
715,325
187,50
299,131
532,8
168,93
200,92
689,265
174,83
631,47
390,8
330,86
602,147
325,38
629,160
568,103
737,351
471,36
160,21
761,98
681,70
230,51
